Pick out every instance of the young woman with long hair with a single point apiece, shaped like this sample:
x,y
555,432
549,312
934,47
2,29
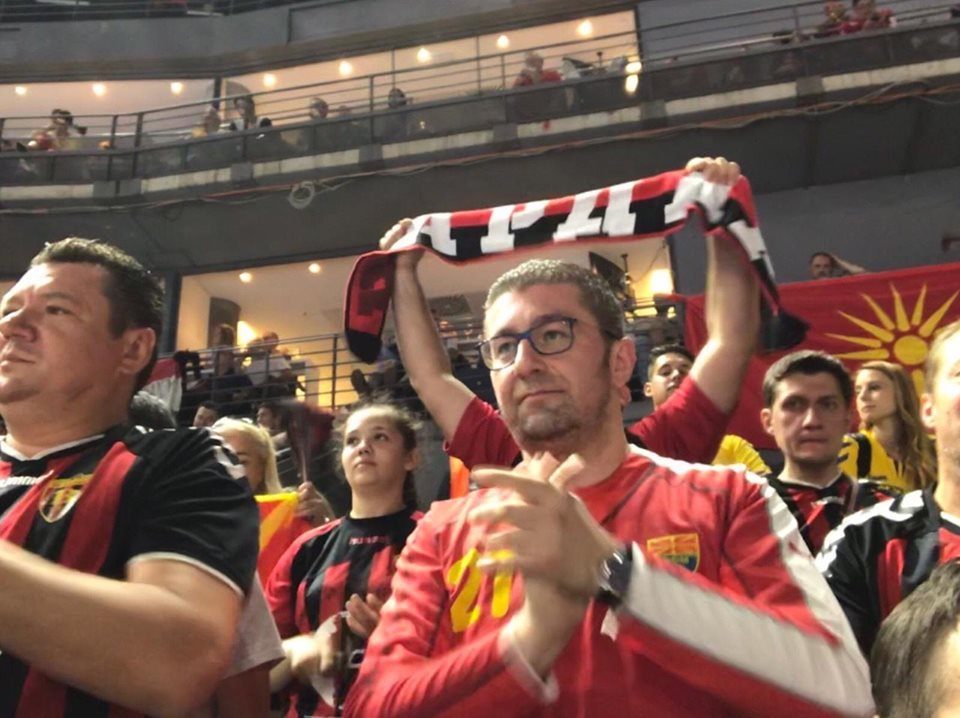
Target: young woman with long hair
x,y
891,445
335,578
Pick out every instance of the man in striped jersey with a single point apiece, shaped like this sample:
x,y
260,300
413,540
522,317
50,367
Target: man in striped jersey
x,y
598,579
806,397
124,555
879,556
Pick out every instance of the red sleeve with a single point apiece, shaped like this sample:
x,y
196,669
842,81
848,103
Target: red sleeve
x,y
482,437
770,639
399,677
687,426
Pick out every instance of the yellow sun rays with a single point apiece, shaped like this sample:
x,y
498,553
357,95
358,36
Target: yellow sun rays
x,y
901,338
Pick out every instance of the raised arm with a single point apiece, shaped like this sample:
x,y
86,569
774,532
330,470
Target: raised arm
x,y
732,308
421,349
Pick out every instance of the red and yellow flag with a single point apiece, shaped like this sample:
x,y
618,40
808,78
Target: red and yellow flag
x,y
279,527
892,316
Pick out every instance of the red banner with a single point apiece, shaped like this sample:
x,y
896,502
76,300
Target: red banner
x,y
885,315
279,526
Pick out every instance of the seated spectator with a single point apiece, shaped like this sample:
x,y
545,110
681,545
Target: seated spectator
x,y
319,109
230,389
396,98
246,109
806,399
866,17
62,127
824,265
207,415
344,569
891,445
253,447
877,557
274,418
915,662
209,125
269,370
148,411
836,16
533,72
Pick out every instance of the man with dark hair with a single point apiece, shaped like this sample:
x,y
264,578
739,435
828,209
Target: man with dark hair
x,y
151,413
824,265
689,426
669,366
207,414
915,661
124,555
877,557
598,578
806,399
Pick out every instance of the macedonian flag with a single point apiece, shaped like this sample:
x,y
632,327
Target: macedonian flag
x,y
279,527
893,316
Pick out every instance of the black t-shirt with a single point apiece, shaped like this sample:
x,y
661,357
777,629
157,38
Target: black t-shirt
x,y
323,568
98,504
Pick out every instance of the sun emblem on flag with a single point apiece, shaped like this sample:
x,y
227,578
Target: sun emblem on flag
x,y
903,338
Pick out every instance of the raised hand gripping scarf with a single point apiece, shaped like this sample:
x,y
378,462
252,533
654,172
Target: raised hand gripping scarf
x,y
641,209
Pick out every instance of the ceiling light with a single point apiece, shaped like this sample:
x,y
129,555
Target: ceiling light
x,y
315,268
269,79
246,334
246,277
631,84
345,68
633,67
20,90
585,29
503,42
176,87
661,281
99,89
423,55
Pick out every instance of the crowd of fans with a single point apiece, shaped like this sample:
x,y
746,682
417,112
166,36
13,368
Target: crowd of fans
x,y
589,570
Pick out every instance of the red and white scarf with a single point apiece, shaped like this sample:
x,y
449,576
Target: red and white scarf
x,y
642,209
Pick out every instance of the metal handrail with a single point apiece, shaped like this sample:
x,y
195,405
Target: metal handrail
x,y
54,10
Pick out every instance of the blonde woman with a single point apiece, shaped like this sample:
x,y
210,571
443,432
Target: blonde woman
x,y
891,445
254,447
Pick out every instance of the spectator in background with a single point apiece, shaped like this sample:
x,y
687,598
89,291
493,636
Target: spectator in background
x,y
915,662
253,447
230,389
269,370
836,16
319,109
891,446
207,415
246,109
396,98
148,411
806,399
209,124
824,265
533,73
62,128
274,418
877,557
865,16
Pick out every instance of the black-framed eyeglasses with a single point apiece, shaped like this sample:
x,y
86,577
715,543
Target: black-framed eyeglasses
x,y
553,335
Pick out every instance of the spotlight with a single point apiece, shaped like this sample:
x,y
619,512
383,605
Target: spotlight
x,y
176,87
246,277
424,56
315,268
269,79
20,90
503,42
99,89
585,29
345,68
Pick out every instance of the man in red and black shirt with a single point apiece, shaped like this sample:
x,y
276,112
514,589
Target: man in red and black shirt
x,y
688,425
878,556
599,579
124,556
806,398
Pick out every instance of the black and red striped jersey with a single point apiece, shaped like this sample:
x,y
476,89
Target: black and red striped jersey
x,y
820,509
96,505
325,567
877,557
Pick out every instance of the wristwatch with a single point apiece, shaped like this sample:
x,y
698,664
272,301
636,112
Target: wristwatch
x,y
615,577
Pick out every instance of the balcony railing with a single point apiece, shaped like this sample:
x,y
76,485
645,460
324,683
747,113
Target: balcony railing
x,y
450,98
66,10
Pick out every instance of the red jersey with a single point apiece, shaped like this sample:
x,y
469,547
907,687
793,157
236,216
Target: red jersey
x,y
727,614
686,426
820,509
877,557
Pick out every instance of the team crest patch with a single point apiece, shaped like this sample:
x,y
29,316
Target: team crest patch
x,y
60,495
681,549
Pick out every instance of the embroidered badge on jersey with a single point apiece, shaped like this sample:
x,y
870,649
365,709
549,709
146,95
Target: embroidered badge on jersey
x,y
61,495
681,549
